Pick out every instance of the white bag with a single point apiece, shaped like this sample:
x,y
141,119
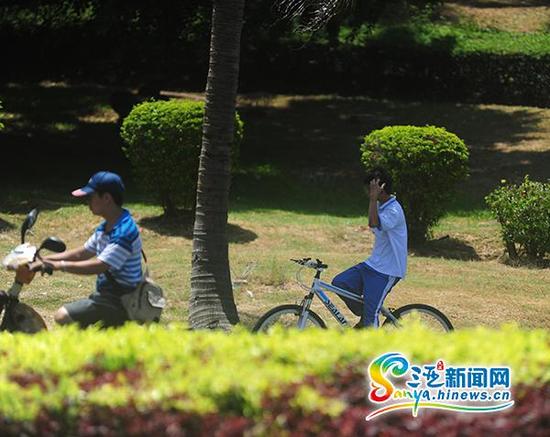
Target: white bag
x,y
146,302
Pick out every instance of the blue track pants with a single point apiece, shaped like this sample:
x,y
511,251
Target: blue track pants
x,y
365,281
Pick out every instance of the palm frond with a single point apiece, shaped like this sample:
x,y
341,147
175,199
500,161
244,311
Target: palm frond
x,y
314,13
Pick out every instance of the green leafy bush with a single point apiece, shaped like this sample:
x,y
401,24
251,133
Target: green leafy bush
x,y
29,18
426,164
124,378
523,211
163,144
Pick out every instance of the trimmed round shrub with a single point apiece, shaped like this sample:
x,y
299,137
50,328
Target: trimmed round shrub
x,y
523,212
426,164
163,144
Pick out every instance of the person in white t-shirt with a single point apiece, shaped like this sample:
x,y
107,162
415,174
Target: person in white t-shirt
x,y
387,264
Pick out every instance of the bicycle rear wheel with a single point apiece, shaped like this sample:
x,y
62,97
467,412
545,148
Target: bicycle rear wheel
x,y
287,316
428,316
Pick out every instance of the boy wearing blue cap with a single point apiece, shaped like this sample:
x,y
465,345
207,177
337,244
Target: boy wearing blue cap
x,y
113,253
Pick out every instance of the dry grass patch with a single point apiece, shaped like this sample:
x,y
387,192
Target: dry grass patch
x,y
506,15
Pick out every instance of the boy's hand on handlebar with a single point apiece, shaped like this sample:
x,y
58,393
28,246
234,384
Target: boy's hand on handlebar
x,y
43,266
35,266
23,274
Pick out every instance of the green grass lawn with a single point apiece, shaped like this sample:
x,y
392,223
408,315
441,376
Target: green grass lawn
x,y
297,193
471,291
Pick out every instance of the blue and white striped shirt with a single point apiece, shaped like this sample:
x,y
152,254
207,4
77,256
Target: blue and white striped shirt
x,y
120,249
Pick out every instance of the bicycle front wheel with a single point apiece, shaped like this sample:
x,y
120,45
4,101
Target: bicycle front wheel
x,y
287,316
428,316
21,317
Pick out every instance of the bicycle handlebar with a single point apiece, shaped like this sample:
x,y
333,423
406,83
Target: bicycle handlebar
x,y
316,264
43,268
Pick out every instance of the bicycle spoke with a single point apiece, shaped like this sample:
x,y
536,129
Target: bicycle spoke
x,y
286,318
427,320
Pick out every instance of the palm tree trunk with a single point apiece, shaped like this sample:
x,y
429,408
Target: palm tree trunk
x,y
212,304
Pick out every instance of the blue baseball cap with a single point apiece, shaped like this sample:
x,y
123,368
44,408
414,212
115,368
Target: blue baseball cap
x,y
103,181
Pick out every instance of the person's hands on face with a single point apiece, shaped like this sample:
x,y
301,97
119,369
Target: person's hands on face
x,y
375,189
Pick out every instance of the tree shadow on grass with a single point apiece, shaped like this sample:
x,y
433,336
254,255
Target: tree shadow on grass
x,y
182,226
248,320
60,135
238,235
55,131
22,201
539,264
308,192
301,135
448,248
5,226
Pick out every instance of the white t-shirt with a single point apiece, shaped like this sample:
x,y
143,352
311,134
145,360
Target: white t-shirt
x,y
389,255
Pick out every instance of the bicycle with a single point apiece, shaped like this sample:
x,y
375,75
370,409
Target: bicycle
x,y
301,316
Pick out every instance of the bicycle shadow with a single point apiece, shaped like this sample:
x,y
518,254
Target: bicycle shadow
x,y
447,248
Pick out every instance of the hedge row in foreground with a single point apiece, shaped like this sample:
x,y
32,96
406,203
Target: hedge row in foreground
x,y
282,415
149,380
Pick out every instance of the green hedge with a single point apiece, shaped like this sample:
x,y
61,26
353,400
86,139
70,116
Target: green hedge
x,y
67,372
57,15
426,164
523,212
163,144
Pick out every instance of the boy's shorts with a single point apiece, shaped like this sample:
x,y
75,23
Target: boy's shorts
x,y
98,307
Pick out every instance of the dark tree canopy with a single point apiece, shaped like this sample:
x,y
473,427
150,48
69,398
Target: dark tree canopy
x,y
118,41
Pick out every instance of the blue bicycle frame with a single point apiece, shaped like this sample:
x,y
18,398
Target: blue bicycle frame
x,y
318,289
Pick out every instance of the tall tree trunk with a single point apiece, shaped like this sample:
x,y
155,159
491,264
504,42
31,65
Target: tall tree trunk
x,y
212,304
